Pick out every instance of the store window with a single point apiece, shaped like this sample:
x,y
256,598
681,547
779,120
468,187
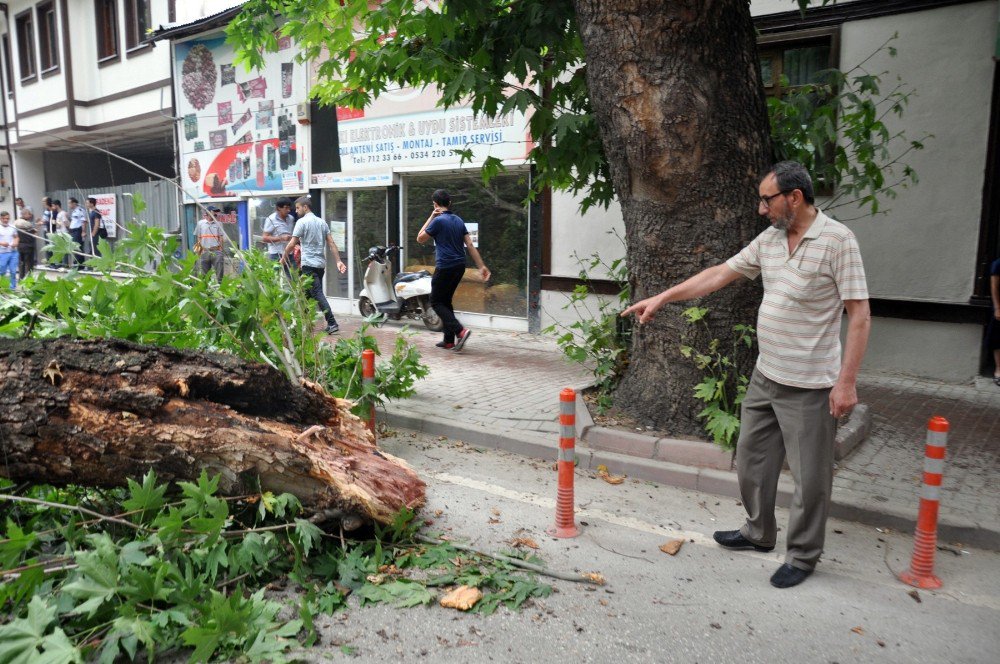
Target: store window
x,y
335,209
25,28
259,209
497,218
229,216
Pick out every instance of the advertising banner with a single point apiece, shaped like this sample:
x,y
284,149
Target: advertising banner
x,y
239,134
107,205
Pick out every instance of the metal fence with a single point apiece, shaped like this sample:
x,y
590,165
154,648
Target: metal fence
x,y
160,197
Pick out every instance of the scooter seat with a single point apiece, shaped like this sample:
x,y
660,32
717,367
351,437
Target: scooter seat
x,y
403,277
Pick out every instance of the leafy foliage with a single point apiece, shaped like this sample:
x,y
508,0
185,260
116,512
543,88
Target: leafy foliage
x,y
137,290
495,56
598,339
190,573
723,387
838,129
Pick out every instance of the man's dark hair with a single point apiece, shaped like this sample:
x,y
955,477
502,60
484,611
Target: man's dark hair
x,y
304,200
73,200
57,202
283,202
4,214
791,175
91,200
441,197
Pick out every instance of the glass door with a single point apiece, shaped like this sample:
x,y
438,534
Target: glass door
x,y
358,219
370,227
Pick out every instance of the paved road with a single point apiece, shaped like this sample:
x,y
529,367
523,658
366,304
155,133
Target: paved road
x,y
502,390
704,605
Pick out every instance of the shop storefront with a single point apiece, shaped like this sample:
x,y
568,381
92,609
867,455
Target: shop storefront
x,y
393,155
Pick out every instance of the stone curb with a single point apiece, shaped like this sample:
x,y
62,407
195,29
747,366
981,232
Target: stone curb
x,y
715,481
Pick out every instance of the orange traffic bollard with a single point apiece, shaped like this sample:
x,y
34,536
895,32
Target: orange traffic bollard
x,y
565,525
368,378
921,571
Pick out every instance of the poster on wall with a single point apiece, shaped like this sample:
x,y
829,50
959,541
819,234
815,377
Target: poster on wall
x,y
107,205
255,145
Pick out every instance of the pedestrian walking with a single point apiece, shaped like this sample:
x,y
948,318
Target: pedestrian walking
x,y
313,235
811,270
77,227
278,229
21,207
26,234
59,224
993,329
96,226
210,234
451,241
45,220
8,249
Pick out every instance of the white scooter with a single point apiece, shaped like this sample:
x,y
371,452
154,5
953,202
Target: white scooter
x,y
408,294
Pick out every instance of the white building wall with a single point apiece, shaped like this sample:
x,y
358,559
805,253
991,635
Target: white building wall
x,y
925,248
577,236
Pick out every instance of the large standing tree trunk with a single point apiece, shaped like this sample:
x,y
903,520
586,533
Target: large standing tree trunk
x,y
676,90
99,411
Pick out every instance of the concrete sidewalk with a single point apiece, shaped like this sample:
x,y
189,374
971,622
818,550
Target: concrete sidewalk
x,y
502,392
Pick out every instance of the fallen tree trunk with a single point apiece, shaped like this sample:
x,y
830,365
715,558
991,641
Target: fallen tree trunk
x,y
95,412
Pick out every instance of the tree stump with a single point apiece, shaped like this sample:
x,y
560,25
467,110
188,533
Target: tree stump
x,y
95,412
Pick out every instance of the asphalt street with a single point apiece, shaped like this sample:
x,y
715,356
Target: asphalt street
x,y
705,604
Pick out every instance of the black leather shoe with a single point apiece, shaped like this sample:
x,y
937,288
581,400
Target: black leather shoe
x,y
732,539
788,576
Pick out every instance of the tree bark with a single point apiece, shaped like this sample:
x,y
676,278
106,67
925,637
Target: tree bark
x,y
96,412
676,91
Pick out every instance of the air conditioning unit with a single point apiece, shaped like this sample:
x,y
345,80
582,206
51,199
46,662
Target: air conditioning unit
x,y
302,113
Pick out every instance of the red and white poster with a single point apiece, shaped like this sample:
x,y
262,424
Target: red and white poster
x,y
107,205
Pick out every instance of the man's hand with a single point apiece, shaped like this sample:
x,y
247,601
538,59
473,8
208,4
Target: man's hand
x,y
341,267
485,272
645,310
843,398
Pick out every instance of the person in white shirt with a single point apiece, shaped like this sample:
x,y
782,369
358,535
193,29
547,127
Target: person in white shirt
x,y
812,271
8,249
77,226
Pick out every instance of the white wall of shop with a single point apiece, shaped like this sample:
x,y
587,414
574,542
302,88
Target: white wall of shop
x,y
29,176
924,249
577,236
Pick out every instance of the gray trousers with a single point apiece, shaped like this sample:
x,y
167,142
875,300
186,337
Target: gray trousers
x,y
779,421
212,260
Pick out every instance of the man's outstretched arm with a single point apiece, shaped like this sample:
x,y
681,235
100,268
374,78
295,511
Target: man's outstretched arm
x,y
705,282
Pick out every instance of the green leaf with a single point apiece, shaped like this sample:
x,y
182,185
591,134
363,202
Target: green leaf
x,y
399,593
147,497
28,640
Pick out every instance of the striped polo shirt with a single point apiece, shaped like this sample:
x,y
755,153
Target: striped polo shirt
x,y
798,325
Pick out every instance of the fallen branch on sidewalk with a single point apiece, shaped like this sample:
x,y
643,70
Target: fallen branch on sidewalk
x,y
96,412
515,562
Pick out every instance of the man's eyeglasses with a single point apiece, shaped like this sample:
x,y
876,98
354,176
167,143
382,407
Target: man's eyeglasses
x,y
766,200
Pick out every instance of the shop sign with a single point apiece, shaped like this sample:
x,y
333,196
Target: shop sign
x,y
239,134
335,180
107,205
430,138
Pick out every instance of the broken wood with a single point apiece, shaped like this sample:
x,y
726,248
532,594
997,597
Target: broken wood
x,y
95,412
